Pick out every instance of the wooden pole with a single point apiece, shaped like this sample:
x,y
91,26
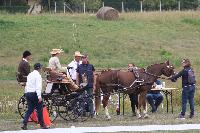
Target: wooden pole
x,y
141,10
84,7
64,7
49,2
160,6
122,6
102,4
55,7
179,5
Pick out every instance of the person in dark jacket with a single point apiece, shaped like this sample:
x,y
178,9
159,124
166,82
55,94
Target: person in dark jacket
x,y
85,77
24,67
154,97
188,89
133,97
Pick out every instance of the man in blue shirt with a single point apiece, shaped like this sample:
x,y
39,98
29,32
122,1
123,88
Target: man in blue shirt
x,y
85,75
154,97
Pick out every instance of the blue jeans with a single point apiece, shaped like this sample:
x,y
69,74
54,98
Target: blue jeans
x,y
154,100
32,101
188,94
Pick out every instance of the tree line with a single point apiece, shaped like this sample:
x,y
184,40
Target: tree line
x,y
94,5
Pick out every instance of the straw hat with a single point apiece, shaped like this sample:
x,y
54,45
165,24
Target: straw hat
x,y
77,53
56,51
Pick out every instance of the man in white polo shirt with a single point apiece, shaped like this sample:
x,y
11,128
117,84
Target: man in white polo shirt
x,y
74,64
33,90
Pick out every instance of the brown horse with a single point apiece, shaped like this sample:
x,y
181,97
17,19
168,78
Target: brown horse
x,y
115,80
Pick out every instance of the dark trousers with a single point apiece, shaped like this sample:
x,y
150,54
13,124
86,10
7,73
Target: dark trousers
x,y
61,87
188,94
90,104
154,100
32,101
134,101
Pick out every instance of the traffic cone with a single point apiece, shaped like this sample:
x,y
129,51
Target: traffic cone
x,y
47,120
33,117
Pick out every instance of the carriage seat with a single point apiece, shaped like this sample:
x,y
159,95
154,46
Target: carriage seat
x,y
55,77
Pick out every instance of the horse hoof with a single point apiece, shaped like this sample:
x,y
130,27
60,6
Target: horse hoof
x,y
108,118
146,116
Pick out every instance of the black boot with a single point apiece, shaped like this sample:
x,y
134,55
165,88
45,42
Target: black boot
x,y
24,127
44,127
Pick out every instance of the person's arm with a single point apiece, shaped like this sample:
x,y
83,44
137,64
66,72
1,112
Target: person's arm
x,y
175,77
39,87
26,69
59,67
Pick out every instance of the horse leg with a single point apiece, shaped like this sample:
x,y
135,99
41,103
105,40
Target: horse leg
x,y
97,94
139,107
143,98
105,105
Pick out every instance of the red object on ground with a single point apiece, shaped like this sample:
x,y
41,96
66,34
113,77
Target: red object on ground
x,y
46,118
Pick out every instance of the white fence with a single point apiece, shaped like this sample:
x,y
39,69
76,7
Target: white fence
x,y
66,7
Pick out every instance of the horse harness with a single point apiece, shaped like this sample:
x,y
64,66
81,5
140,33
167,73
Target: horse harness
x,y
138,83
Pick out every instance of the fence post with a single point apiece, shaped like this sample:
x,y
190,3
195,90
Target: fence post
x,y
55,7
102,4
141,10
122,6
64,7
84,7
160,6
179,5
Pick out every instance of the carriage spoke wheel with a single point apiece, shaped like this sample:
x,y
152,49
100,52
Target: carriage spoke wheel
x,y
75,109
63,112
85,108
22,106
79,110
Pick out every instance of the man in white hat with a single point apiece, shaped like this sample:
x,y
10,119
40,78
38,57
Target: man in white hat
x,y
74,64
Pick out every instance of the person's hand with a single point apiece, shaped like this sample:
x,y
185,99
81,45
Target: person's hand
x,y
39,99
53,68
169,78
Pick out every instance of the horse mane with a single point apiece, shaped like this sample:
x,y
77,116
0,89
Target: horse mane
x,y
154,65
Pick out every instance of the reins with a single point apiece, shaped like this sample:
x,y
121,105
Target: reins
x,y
155,75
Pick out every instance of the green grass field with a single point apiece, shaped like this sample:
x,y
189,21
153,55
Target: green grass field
x,y
142,38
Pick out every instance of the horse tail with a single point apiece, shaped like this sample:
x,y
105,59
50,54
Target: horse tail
x,y
97,92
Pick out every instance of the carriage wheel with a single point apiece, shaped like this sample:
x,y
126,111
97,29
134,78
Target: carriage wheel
x,y
65,111
79,109
84,104
51,107
22,106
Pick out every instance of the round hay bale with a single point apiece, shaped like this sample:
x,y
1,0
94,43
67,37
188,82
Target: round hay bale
x,y
107,13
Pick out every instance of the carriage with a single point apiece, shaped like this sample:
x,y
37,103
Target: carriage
x,y
71,105
60,100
